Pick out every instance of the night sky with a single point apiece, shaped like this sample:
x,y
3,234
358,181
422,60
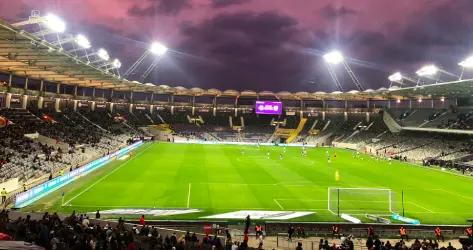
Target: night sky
x,y
269,44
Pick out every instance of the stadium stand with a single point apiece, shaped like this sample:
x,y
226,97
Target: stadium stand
x,y
47,128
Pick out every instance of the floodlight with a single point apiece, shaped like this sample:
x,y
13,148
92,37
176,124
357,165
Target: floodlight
x,y
467,63
54,23
396,77
82,41
442,99
116,64
427,70
103,54
158,49
334,57
398,100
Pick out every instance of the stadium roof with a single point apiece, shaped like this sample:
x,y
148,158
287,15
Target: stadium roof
x,y
23,54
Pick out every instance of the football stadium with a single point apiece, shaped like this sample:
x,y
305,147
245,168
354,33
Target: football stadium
x,y
99,156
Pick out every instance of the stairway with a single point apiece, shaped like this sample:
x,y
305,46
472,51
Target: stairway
x,y
296,132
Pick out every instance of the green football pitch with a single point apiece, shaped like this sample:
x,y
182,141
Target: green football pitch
x,y
225,178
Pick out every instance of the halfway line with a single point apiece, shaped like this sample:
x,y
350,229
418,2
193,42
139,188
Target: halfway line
x,y
189,195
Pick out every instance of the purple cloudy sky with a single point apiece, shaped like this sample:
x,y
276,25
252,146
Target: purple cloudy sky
x,y
270,44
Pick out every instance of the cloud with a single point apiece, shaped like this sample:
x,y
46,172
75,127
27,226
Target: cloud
x,y
226,3
155,7
332,12
247,50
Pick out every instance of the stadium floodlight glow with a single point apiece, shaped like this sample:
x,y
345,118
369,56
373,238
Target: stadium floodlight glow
x,y
467,63
442,99
54,23
116,64
83,42
334,57
158,49
103,54
427,70
396,77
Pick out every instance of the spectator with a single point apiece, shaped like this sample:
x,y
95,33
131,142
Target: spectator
x,y
403,233
142,220
4,196
438,234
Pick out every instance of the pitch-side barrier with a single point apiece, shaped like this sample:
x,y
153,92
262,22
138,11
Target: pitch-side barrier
x,y
26,198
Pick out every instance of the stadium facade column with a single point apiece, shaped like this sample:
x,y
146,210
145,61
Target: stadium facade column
x,y
323,109
57,100
130,108
10,78
110,106
151,101
75,91
41,94
410,103
130,105
24,101
57,104
8,94
432,102
389,103
92,107
25,88
74,105
193,102
24,97
7,100
301,113
40,102
214,104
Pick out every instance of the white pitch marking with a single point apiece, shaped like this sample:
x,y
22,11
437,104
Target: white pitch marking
x,y
107,175
189,195
279,205
417,205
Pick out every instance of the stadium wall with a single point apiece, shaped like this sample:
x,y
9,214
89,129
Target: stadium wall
x,y
26,198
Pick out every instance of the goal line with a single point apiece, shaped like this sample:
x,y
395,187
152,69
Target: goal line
x,y
371,200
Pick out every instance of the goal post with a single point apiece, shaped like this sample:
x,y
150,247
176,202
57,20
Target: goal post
x,y
378,201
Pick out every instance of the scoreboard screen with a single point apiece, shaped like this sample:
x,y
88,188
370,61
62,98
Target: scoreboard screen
x,y
268,108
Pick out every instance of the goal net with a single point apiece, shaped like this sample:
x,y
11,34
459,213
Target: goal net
x,y
376,201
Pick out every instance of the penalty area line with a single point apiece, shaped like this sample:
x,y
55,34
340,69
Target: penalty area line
x,y
279,204
105,176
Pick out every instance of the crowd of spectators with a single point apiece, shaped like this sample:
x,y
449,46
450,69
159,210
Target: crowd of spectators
x,y
41,142
77,231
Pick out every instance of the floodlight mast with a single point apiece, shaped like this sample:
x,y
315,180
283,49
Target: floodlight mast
x,y
353,77
335,57
465,64
156,49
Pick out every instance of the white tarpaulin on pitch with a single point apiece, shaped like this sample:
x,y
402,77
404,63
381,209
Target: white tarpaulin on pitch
x,y
256,214
153,212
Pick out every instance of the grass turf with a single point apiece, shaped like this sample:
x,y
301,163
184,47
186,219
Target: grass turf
x,y
225,178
